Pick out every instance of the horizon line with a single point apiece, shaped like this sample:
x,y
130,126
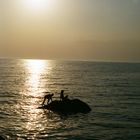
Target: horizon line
x,y
71,59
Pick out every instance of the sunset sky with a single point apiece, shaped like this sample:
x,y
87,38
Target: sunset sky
x,y
107,30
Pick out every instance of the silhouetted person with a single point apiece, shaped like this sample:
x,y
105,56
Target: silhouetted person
x,y
62,97
48,97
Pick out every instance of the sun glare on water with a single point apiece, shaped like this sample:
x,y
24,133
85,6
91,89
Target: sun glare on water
x,y
35,69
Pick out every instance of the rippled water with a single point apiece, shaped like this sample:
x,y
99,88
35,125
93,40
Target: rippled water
x,y
111,89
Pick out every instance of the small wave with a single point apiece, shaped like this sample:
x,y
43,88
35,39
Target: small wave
x,y
117,125
7,94
4,115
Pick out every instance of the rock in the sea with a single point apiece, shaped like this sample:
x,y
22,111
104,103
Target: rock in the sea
x,y
68,106
1,138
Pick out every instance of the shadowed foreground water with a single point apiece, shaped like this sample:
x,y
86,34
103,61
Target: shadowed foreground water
x,y
111,89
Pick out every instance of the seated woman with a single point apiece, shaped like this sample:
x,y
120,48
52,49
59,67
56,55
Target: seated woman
x,y
62,97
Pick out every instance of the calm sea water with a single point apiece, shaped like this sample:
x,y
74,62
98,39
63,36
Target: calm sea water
x,y
111,89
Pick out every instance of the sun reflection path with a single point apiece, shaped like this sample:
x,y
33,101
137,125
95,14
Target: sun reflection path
x,y
35,70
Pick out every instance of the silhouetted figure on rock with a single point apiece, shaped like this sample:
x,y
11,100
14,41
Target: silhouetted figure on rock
x,y
62,97
65,105
48,97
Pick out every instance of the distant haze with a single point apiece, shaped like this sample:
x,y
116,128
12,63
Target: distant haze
x,y
104,30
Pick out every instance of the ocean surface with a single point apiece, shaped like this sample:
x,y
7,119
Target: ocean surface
x,y
112,90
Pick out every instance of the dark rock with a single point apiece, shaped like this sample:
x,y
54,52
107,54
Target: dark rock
x,y
68,106
1,138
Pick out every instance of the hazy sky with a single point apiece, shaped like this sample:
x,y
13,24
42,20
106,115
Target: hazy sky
x,y
70,29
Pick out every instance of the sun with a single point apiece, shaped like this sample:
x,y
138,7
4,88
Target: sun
x,y
35,5
37,8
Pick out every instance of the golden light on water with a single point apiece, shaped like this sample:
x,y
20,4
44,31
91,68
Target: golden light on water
x,y
36,66
35,69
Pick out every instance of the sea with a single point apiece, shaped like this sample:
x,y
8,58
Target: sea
x,y
112,90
